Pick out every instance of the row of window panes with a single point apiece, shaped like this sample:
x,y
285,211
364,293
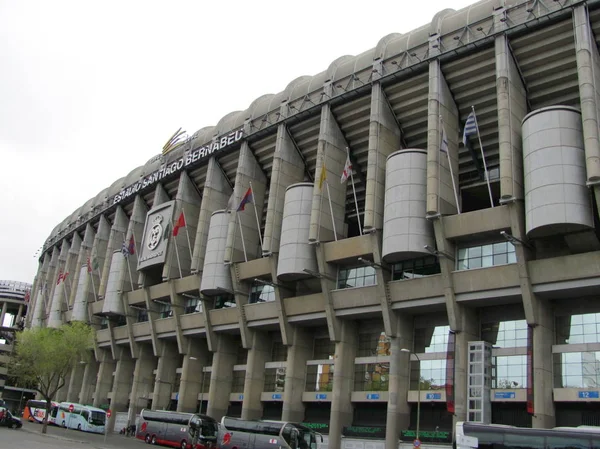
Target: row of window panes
x,y
431,339
372,377
577,370
361,276
193,305
580,328
274,380
505,334
373,344
319,377
486,256
432,374
416,268
509,371
224,301
261,293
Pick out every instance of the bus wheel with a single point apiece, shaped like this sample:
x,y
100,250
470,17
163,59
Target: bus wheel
x,y
184,444
64,424
153,439
78,426
147,439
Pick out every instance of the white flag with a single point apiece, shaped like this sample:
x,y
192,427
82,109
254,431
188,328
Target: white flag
x,y
347,169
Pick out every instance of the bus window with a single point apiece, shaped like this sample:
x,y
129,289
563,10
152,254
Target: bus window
x,y
98,418
524,441
209,429
85,415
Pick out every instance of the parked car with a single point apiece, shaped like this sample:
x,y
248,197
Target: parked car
x,y
8,420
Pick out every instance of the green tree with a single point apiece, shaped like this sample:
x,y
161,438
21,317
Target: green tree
x,y
45,356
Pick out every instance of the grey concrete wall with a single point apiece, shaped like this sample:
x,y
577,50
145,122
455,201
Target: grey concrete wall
x,y
298,353
258,355
221,376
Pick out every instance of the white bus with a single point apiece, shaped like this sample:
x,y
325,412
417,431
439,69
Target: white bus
x,y
470,435
175,429
84,417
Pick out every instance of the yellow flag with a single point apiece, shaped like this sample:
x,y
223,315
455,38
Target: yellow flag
x,y
323,176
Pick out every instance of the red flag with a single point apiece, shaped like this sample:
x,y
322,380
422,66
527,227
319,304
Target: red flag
x,y
248,198
27,296
89,265
131,247
60,278
180,224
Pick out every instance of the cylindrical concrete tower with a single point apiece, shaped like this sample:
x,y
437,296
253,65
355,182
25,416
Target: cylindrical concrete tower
x,y
295,254
215,274
405,229
80,312
557,200
58,299
113,305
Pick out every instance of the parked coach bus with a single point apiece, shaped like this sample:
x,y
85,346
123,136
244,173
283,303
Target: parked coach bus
x,y
84,417
471,435
35,411
239,433
174,429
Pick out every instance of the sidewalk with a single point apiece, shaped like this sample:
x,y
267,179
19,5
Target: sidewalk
x,y
78,438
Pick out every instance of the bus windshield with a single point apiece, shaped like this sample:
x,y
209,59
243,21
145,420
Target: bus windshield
x,y
306,440
209,429
98,418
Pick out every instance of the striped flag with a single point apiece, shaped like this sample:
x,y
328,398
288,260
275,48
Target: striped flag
x,y
347,169
444,144
470,127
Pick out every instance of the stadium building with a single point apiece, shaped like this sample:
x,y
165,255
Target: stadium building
x,y
14,299
456,269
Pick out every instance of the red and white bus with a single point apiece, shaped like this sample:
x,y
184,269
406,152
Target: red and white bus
x,y
174,429
35,411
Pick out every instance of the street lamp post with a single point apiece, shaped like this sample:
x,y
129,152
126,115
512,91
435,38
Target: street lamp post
x,y
418,388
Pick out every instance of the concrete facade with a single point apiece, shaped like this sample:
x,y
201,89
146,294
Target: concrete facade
x,y
345,343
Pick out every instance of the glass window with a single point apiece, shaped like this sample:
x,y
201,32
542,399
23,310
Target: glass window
x,y
371,377
324,349
319,377
575,329
509,371
193,305
274,379
373,344
416,268
359,276
239,378
104,323
482,256
142,315
432,374
505,334
278,351
431,339
577,370
164,309
261,293
205,387
224,301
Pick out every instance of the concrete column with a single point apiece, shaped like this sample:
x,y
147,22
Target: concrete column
x,y
288,169
385,137
35,308
84,253
166,373
440,193
88,381
73,267
191,376
469,325
100,252
187,202
75,382
298,353
61,395
215,194
343,383
2,313
249,171
115,242
123,382
331,153
60,296
104,381
221,377
398,411
143,381
135,229
543,382
588,71
19,314
258,355
512,108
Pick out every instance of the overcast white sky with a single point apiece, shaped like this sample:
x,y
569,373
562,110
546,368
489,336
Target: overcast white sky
x,y
91,90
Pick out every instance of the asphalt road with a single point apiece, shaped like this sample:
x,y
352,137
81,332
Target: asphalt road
x,y
30,437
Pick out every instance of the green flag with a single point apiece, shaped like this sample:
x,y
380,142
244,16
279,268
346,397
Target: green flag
x,y
167,232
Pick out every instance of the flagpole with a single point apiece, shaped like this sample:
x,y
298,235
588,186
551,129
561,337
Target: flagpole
x,y
331,210
177,254
93,286
487,175
129,269
65,293
257,220
354,192
242,235
450,165
187,234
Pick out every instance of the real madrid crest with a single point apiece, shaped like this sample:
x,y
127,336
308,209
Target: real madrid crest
x,y
155,233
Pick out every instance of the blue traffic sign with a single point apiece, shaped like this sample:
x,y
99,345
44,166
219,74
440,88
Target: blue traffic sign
x,y
417,443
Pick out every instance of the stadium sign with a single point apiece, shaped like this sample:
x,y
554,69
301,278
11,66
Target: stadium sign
x,y
217,145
